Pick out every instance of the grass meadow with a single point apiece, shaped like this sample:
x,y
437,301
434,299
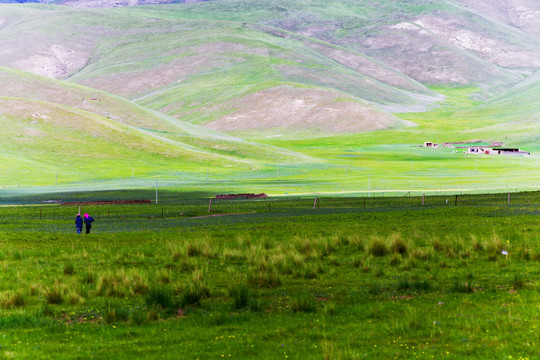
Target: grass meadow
x,y
277,278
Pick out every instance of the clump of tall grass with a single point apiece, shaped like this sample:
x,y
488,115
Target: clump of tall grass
x,y
494,244
193,249
397,245
187,265
240,294
422,253
329,246
423,285
377,247
303,245
11,299
462,287
409,264
88,277
535,255
233,254
356,261
357,242
264,270
121,284
208,250
116,314
263,277
303,303
69,269
476,244
175,250
161,296
54,294
308,270
258,305
366,265
73,298
518,282
524,252
195,290
35,289
163,277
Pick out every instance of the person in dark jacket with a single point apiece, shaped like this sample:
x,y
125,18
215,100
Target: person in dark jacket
x,y
88,220
78,223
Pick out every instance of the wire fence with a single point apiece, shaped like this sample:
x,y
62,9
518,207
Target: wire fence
x,y
170,191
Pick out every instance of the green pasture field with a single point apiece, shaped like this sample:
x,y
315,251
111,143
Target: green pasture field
x,y
273,278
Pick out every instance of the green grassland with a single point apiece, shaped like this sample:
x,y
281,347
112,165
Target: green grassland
x,y
50,127
273,279
184,156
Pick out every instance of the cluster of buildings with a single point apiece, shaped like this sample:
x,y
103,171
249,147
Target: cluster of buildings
x,y
480,147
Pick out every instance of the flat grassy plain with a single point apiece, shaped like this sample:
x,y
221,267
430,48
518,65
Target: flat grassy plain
x,y
275,279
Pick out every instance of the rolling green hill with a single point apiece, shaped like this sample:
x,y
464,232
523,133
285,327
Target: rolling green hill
x,y
514,115
326,89
51,126
206,71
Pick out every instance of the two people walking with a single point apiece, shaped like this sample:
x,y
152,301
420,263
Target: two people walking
x,y
88,220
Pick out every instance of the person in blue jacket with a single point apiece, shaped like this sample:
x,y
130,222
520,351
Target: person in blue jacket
x,y
78,223
88,220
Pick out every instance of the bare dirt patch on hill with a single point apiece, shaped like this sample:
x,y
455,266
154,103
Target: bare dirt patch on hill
x,y
55,62
369,67
523,14
292,109
489,48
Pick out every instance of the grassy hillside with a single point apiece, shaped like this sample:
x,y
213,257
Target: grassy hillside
x,y
440,42
50,126
203,71
265,72
514,115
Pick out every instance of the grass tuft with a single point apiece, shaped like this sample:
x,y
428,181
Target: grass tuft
x,y
161,296
240,294
377,247
54,294
303,303
398,246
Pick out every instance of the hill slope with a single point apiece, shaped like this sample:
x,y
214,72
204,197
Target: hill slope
x,y
432,42
513,115
46,121
205,71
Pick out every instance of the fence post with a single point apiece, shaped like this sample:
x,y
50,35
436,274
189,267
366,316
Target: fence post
x,y
315,203
423,199
39,214
210,206
455,201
